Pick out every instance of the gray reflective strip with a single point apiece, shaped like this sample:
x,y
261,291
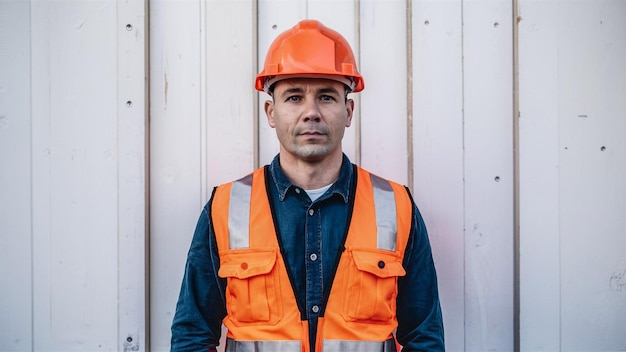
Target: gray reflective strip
x,y
358,346
239,213
385,203
263,346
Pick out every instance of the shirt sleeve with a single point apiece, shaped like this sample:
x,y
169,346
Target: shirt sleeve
x,y
201,306
420,324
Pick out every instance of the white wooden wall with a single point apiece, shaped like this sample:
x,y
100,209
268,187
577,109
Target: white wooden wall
x,y
73,176
525,209
572,172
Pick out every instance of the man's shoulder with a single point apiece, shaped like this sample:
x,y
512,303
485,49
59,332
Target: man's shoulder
x,y
245,178
374,175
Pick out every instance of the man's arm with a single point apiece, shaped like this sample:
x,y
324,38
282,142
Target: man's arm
x,y
420,325
201,306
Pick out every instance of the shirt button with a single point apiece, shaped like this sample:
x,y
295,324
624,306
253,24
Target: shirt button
x,y
315,309
298,190
311,212
313,257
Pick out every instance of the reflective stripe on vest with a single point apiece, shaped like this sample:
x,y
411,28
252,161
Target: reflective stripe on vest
x,y
239,213
294,346
385,203
360,346
263,346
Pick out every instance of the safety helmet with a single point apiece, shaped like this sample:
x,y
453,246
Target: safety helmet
x,y
310,50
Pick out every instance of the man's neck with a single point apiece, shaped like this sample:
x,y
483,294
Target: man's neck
x,y
311,174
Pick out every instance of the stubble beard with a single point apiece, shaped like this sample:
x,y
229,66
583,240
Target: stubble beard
x,y
311,152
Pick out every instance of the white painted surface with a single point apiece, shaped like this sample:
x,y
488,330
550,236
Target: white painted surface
x,y
383,102
73,179
592,125
78,234
573,163
438,150
74,109
540,288
176,189
15,178
132,175
488,174
231,108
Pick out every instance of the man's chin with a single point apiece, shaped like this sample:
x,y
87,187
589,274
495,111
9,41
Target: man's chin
x,y
313,154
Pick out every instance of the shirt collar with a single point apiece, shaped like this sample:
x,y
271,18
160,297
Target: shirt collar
x,y
340,187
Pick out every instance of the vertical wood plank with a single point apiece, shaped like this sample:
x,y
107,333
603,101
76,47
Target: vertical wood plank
x,y
438,149
15,178
176,176
539,177
383,56
488,143
75,223
230,96
592,125
132,174
41,169
572,107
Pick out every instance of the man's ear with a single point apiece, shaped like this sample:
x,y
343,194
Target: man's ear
x,y
350,111
269,112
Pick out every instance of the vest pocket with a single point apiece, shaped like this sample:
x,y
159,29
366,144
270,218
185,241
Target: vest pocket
x,y
253,287
372,285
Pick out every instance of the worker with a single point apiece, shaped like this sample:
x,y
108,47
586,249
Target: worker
x,y
309,253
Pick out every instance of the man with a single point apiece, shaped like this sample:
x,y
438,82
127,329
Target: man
x,y
310,253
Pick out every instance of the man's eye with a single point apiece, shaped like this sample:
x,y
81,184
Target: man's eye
x,y
293,98
327,98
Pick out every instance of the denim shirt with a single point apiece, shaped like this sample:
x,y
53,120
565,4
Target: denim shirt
x,y
310,234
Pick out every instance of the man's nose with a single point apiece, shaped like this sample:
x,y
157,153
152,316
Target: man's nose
x,y
311,110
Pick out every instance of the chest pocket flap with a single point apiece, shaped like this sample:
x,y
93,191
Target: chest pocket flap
x,y
380,263
253,287
246,263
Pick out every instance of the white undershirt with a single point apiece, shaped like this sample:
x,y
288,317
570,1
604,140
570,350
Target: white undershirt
x,y
316,193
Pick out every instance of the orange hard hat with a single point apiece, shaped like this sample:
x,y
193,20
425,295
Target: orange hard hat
x,y
310,49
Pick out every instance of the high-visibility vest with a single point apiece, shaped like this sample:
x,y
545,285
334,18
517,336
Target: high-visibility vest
x,y
263,315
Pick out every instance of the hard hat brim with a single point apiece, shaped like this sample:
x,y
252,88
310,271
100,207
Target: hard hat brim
x,y
271,80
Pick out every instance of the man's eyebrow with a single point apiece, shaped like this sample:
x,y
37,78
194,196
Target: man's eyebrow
x,y
299,90
292,90
328,90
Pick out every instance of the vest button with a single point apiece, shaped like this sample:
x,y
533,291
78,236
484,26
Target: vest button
x,y
381,264
244,266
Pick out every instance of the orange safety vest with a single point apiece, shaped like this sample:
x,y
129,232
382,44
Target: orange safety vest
x,y
263,315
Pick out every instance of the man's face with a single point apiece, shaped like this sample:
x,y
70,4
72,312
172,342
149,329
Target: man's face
x,y
310,116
